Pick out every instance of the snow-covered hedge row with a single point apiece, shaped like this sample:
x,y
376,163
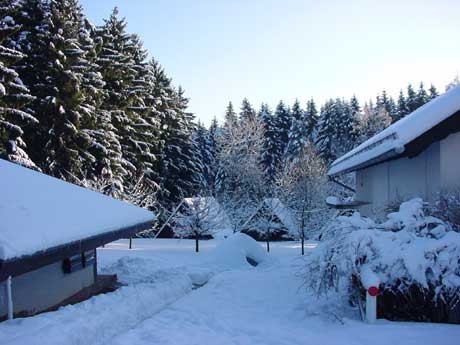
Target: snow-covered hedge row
x,y
408,249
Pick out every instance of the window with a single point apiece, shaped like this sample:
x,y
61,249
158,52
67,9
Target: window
x,y
78,262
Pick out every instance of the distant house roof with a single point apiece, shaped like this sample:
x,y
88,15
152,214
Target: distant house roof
x,y
406,137
217,217
40,215
279,210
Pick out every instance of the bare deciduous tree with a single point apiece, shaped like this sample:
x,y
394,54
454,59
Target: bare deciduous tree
x,y
197,219
302,186
240,182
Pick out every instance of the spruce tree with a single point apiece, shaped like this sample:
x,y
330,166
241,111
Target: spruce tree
x,y
14,96
282,122
230,115
180,166
116,65
326,131
433,92
297,133
247,113
270,154
202,138
411,100
401,108
55,70
311,120
422,96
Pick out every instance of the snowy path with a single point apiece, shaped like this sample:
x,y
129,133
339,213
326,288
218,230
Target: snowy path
x,y
265,306
239,305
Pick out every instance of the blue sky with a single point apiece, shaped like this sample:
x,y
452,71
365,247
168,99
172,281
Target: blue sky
x,y
267,50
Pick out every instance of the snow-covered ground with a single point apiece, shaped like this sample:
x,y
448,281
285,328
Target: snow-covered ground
x,y
239,304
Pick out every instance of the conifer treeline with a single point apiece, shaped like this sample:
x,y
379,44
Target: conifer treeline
x,y
83,102
336,127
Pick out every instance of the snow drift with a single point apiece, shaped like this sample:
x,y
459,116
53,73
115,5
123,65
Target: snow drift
x,y
235,251
408,249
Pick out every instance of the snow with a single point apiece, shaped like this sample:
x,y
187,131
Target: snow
x,y
283,213
333,200
233,252
368,277
409,248
38,212
391,140
239,304
217,219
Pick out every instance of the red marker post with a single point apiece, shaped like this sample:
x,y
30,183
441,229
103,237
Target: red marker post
x,y
371,303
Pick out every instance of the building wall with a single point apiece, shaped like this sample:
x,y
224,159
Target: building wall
x,y
44,288
450,161
389,183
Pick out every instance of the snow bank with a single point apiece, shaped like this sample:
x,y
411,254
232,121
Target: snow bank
x,y
233,252
391,141
99,319
135,270
409,248
38,212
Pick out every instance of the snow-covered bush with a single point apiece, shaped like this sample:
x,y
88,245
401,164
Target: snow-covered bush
x,y
447,207
409,250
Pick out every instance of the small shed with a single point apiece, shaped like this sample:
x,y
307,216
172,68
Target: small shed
x,y
273,211
49,232
417,156
216,217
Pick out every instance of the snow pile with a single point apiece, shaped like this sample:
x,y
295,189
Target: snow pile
x,y
135,270
390,142
233,253
409,248
99,319
39,212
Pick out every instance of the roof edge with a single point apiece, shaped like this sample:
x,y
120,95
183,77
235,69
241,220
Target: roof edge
x,y
20,265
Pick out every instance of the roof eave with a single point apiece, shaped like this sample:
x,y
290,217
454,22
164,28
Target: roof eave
x,y
20,265
376,160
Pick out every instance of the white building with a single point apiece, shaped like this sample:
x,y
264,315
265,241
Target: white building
x,y
49,232
418,155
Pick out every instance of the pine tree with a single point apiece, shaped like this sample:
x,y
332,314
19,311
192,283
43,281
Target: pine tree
x,y
326,131
116,65
14,96
55,70
401,108
422,96
203,140
344,128
411,100
433,92
298,134
386,103
282,124
143,143
270,154
213,134
180,166
373,121
230,115
247,113
311,120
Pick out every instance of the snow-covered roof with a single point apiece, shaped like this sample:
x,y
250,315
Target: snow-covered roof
x,y
38,212
391,141
217,216
282,212
279,210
